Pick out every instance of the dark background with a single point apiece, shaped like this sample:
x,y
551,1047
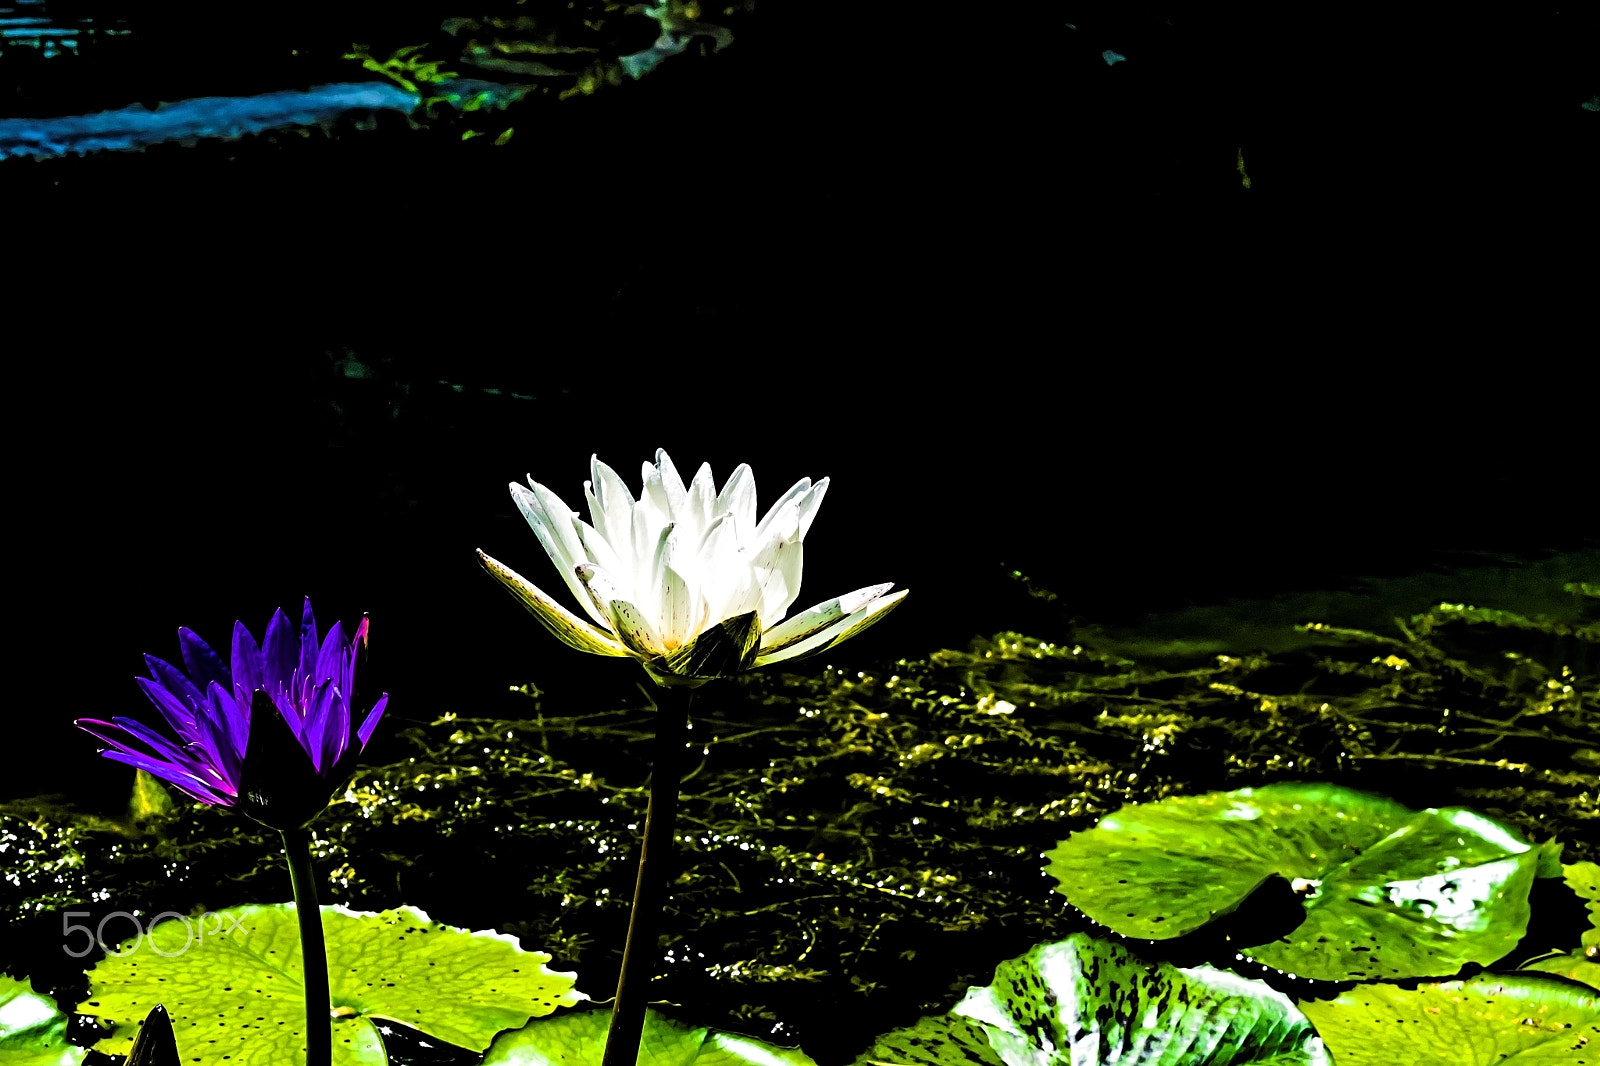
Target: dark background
x,y
1014,301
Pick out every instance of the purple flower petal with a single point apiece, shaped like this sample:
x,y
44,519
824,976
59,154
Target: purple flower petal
x,y
203,664
178,760
329,664
174,775
280,654
120,731
325,714
171,678
370,723
210,740
234,731
308,643
247,670
178,714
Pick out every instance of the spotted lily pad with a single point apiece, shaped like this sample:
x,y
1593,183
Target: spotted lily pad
x,y
1388,893
1085,1002
940,1040
1485,1021
579,1039
235,993
32,1031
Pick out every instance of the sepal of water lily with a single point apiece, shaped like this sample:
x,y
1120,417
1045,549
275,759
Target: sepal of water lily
x,y
724,648
156,1045
278,785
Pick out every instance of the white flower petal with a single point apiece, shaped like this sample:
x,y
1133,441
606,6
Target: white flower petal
x,y
555,524
572,630
599,550
653,496
797,490
615,503
738,498
638,570
837,633
720,581
782,585
744,597
599,588
814,619
771,566
671,482
809,504
696,512
678,621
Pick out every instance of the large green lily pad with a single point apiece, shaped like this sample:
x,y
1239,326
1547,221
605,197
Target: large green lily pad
x,y
1486,1021
236,994
1388,893
579,1039
32,1031
1086,1002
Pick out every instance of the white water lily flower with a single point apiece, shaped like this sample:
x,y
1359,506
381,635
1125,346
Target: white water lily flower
x,y
685,579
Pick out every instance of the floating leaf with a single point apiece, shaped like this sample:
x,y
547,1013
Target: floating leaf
x,y
942,1040
1584,879
1486,1020
457,986
579,1039
1161,870
1574,966
32,1031
1084,1002
1389,893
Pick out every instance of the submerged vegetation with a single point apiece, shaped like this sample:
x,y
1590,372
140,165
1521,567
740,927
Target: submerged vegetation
x,y
857,849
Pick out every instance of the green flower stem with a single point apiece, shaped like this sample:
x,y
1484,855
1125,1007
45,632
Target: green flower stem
x,y
313,951
640,953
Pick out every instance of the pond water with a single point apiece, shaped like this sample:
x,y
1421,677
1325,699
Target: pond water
x,y
857,848
31,24
861,836
1103,420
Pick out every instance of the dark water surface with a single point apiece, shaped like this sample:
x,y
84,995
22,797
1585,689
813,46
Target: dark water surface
x,y
1026,317
224,479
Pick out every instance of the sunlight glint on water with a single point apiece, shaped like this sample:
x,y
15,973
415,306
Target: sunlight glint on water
x,y
27,24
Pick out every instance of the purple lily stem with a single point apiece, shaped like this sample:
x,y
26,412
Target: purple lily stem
x,y
313,950
640,953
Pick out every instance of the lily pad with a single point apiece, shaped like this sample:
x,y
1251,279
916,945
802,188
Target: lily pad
x,y
579,1039
1085,1002
1584,879
236,994
1574,966
32,1031
1485,1021
938,1040
1388,893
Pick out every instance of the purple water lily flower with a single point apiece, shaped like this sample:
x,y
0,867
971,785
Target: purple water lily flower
x,y
275,733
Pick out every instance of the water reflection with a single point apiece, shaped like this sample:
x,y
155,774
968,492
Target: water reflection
x,y
27,24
